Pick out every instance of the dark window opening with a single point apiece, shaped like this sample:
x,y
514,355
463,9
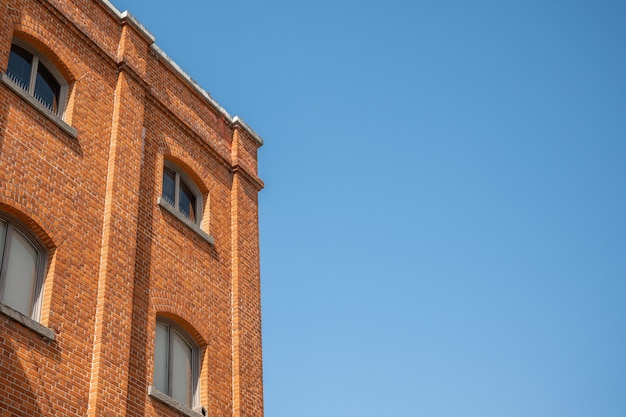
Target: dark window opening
x,y
33,75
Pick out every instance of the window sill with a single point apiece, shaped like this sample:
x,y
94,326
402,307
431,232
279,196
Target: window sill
x,y
172,403
27,322
204,235
37,105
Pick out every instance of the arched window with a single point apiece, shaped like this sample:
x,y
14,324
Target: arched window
x,y
22,264
181,193
32,72
176,363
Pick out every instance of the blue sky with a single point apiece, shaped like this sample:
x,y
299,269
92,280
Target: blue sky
x,y
443,228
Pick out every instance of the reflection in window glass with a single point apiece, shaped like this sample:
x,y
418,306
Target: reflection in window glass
x,y
20,66
181,378
187,202
20,269
3,232
181,194
47,89
174,360
169,186
161,353
31,73
20,273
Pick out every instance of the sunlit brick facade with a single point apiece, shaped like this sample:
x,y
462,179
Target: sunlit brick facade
x,y
129,272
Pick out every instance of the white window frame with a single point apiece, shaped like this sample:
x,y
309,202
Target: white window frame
x,y
181,176
195,361
13,226
39,59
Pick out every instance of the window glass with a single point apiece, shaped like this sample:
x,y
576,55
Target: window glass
x,y
37,77
3,232
181,355
20,66
181,193
175,372
169,185
187,202
47,89
160,357
21,274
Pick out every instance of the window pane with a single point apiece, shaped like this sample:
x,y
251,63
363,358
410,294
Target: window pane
x,y
169,186
3,232
187,202
160,357
181,356
21,275
47,88
20,64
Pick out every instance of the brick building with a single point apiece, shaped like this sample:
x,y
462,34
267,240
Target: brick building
x,y
129,249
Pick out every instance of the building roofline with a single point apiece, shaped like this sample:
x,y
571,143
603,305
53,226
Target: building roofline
x,y
238,121
126,16
234,121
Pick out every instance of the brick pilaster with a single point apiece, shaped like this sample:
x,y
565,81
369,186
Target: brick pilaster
x,y
112,338
246,298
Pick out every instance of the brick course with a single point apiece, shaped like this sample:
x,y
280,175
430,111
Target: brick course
x,y
116,259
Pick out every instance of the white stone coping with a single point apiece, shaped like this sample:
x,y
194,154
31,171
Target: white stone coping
x,y
238,121
235,121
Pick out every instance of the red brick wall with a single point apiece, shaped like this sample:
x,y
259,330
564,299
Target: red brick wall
x,y
117,260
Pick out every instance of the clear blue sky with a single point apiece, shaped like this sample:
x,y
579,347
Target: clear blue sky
x,y
443,228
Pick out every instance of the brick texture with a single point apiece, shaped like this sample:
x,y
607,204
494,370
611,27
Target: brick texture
x,y
116,259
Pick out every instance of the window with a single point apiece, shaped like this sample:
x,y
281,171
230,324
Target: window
x,y
181,193
175,363
22,263
37,77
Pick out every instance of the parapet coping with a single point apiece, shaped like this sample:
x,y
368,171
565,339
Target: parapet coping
x,y
233,120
